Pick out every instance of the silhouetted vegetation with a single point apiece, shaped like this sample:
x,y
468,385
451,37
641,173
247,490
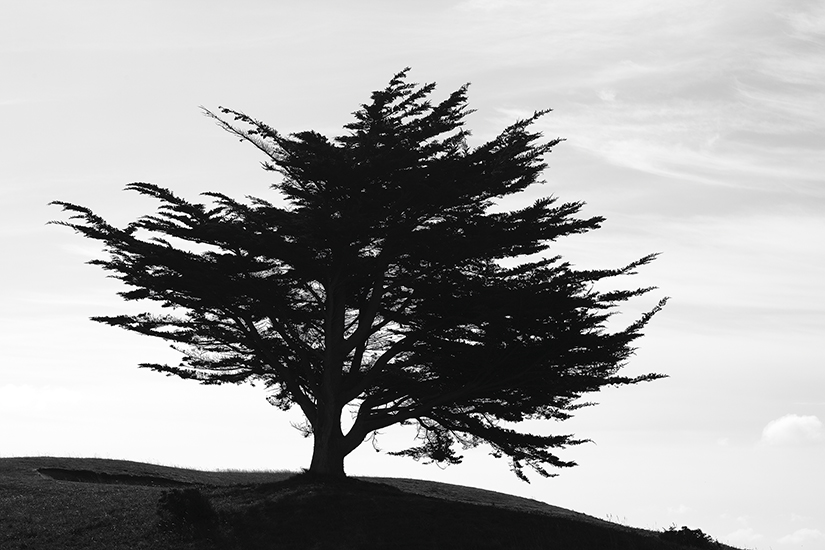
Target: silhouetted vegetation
x,y
282,510
694,538
394,278
187,511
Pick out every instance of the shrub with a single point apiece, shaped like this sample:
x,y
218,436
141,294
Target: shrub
x,y
187,511
688,537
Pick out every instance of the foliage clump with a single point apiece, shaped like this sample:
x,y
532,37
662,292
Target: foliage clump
x,y
693,538
187,511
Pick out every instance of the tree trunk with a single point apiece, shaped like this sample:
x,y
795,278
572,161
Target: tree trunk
x,y
328,451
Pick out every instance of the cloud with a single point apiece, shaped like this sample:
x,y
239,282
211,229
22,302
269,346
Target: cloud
x,y
687,89
793,429
679,510
607,95
803,535
808,25
744,537
596,39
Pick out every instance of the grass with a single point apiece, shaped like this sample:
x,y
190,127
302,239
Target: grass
x,y
114,504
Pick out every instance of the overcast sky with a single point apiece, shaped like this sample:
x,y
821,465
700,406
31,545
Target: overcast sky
x,y
696,127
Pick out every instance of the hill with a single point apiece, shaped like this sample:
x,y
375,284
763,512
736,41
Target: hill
x,y
72,503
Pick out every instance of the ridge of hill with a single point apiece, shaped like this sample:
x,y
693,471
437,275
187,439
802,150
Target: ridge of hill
x,y
66,503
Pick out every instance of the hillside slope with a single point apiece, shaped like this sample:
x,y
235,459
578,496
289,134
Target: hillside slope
x,y
67,503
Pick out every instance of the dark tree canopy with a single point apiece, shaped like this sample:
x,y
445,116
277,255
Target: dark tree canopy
x,y
387,281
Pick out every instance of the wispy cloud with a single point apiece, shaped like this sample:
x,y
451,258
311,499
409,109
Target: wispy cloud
x,y
723,94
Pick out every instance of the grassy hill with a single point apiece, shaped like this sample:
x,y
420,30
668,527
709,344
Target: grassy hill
x,y
73,503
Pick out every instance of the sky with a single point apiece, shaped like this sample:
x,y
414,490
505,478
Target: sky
x,y
695,127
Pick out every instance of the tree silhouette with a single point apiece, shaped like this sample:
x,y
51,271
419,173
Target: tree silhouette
x,y
387,281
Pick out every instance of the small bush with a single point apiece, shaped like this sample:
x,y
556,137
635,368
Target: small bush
x,y
187,511
688,537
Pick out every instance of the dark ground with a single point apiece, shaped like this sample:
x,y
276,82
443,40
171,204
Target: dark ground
x,y
67,503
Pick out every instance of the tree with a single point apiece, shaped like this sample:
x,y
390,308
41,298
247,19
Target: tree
x,y
387,281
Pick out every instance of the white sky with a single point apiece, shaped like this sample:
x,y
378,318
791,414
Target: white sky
x,y
696,127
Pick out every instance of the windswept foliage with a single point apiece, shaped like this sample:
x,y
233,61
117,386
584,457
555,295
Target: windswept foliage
x,y
387,279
